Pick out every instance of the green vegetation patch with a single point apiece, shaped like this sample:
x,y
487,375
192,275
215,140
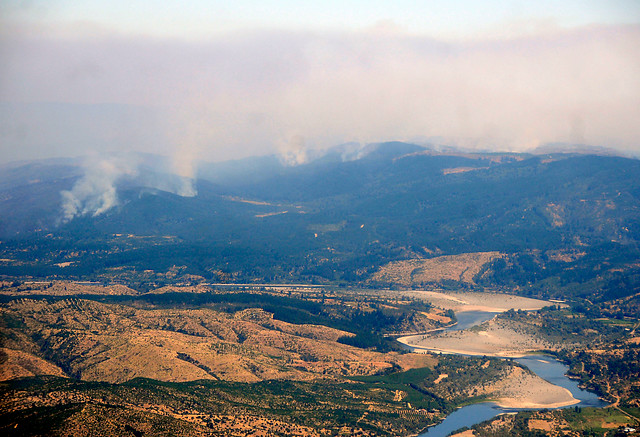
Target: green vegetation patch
x,y
568,421
373,406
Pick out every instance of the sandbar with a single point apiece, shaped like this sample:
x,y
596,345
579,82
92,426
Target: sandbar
x,y
495,338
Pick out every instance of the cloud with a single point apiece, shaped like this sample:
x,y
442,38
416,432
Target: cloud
x,y
253,93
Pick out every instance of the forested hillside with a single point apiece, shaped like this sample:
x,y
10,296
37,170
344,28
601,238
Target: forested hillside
x,y
562,223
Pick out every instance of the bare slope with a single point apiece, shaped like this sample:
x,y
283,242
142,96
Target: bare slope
x,y
106,342
460,268
18,364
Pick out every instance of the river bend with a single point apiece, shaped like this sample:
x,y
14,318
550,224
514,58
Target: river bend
x,y
544,366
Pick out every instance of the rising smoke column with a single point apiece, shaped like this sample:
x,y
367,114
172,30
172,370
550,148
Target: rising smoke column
x,y
96,191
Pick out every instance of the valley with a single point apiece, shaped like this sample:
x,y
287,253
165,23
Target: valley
x,y
218,314
170,336
216,337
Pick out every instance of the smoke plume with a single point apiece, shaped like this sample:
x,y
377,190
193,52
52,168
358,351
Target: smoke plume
x,y
97,190
255,93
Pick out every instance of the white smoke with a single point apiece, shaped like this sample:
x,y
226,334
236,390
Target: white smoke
x,y
353,151
246,94
182,166
97,190
294,151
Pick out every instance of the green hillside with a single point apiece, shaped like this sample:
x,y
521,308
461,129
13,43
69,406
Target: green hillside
x,y
566,223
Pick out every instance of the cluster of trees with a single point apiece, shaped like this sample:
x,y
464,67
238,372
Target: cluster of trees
x,y
603,273
557,325
608,372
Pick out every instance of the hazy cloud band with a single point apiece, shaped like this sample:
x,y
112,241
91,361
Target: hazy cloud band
x,y
260,92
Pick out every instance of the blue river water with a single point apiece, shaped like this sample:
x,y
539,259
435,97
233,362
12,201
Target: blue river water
x,y
465,416
468,319
544,366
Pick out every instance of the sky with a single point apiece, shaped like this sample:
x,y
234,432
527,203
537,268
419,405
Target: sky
x,y
213,80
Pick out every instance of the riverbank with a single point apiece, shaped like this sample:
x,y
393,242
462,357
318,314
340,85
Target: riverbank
x,y
477,301
522,389
493,338
490,336
541,384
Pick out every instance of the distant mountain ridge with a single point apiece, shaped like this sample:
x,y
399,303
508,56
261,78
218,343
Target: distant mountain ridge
x,y
338,217
583,149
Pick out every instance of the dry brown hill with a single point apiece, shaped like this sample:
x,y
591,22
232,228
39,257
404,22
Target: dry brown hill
x,y
107,342
65,288
462,268
18,364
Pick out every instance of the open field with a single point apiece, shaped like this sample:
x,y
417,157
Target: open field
x,y
179,334
64,288
556,423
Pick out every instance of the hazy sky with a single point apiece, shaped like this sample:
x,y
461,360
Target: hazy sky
x,y
217,80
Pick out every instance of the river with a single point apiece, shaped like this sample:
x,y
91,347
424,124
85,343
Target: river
x,y
467,319
544,366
